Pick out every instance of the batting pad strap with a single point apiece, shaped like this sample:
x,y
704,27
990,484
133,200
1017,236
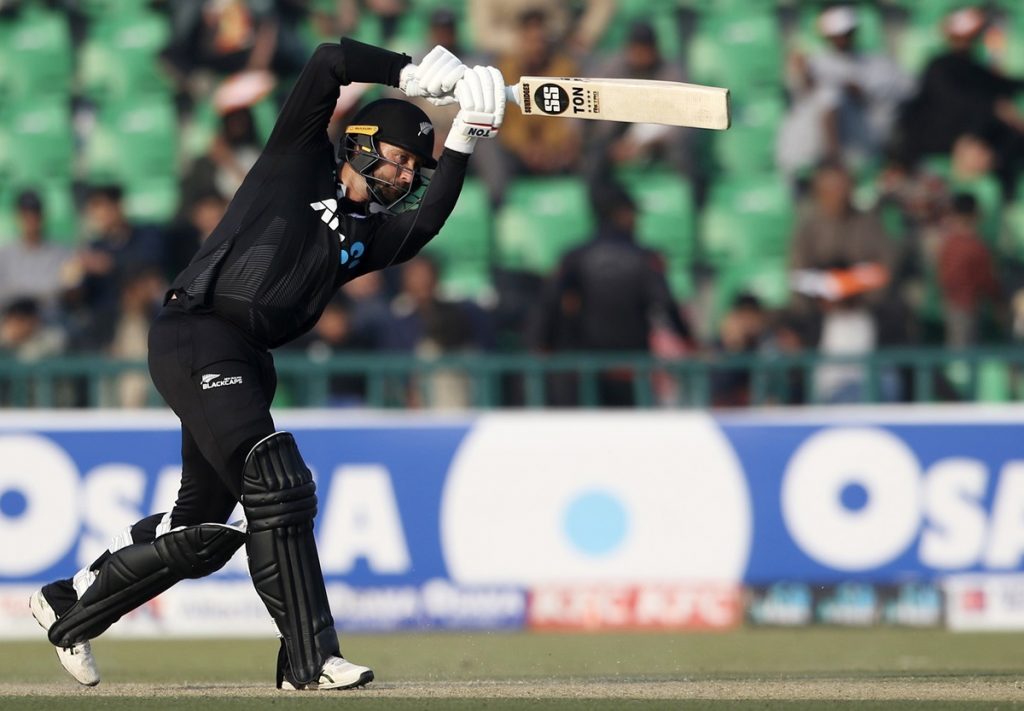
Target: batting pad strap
x,y
137,573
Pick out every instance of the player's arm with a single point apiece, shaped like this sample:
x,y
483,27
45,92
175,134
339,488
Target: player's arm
x,y
481,97
302,123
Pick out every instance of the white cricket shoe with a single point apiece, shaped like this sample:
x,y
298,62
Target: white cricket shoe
x,y
337,673
77,659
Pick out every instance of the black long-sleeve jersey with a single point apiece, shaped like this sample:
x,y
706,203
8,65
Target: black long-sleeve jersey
x,y
288,240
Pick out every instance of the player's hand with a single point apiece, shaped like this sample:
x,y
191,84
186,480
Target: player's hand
x,y
434,78
481,96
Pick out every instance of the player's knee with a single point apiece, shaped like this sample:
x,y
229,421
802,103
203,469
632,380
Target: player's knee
x,y
277,486
198,551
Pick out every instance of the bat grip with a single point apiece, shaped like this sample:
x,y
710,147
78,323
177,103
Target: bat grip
x,y
512,95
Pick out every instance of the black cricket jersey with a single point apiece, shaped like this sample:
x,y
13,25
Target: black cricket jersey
x,y
288,240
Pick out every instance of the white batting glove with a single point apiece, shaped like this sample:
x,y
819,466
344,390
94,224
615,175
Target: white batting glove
x,y
434,78
481,96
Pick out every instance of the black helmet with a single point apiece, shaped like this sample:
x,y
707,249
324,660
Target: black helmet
x,y
401,124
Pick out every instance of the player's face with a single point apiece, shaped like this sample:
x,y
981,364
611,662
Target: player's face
x,y
397,170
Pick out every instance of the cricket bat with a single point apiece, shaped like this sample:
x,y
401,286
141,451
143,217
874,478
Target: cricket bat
x,y
630,100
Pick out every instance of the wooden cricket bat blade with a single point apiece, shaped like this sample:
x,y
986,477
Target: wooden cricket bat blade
x,y
630,100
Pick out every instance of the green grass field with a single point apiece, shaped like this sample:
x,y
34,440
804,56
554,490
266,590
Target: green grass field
x,y
746,669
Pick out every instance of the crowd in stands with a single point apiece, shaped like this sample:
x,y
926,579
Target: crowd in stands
x,y
868,194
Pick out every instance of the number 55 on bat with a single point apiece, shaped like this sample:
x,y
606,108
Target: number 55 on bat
x,y
630,100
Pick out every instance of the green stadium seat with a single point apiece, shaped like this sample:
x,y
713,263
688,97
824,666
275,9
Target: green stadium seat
x,y
99,10
36,141
152,200
994,382
741,50
541,219
870,28
467,280
1011,241
747,219
119,58
133,141
919,41
749,144
666,214
679,274
35,54
466,235
463,247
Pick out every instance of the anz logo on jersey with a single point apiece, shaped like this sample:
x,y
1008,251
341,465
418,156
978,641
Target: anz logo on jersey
x,y
349,255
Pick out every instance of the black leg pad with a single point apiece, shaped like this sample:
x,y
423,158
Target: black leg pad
x,y
137,573
279,498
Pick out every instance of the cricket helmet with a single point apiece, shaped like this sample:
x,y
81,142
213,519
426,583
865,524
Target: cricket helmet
x,y
393,121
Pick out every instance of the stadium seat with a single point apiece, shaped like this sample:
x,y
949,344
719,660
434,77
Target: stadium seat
x,y
749,144
119,57
666,213
463,247
35,54
133,141
152,200
679,274
1011,241
36,141
994,382
746,219
741,49
541,219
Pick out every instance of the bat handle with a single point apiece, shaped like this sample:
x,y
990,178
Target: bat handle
x,y
512,94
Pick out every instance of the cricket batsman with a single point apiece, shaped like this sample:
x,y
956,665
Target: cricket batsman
x,y
306,220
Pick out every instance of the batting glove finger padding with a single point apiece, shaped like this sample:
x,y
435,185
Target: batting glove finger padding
x,y
481,95
435,76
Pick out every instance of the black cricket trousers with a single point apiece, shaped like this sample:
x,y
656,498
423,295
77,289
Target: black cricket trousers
x,y
220,384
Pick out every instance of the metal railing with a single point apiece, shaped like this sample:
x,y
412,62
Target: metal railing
x,y
571,379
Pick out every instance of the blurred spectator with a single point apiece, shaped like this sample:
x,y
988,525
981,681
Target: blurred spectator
x,y
959,95
842,260
607,296
232,153
966,272
369,310
614,143
25,335
32,267
428,326
742,331
333,335
388,13
843,101
531,145
495,25
184,238
228,36
115,248
141,298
